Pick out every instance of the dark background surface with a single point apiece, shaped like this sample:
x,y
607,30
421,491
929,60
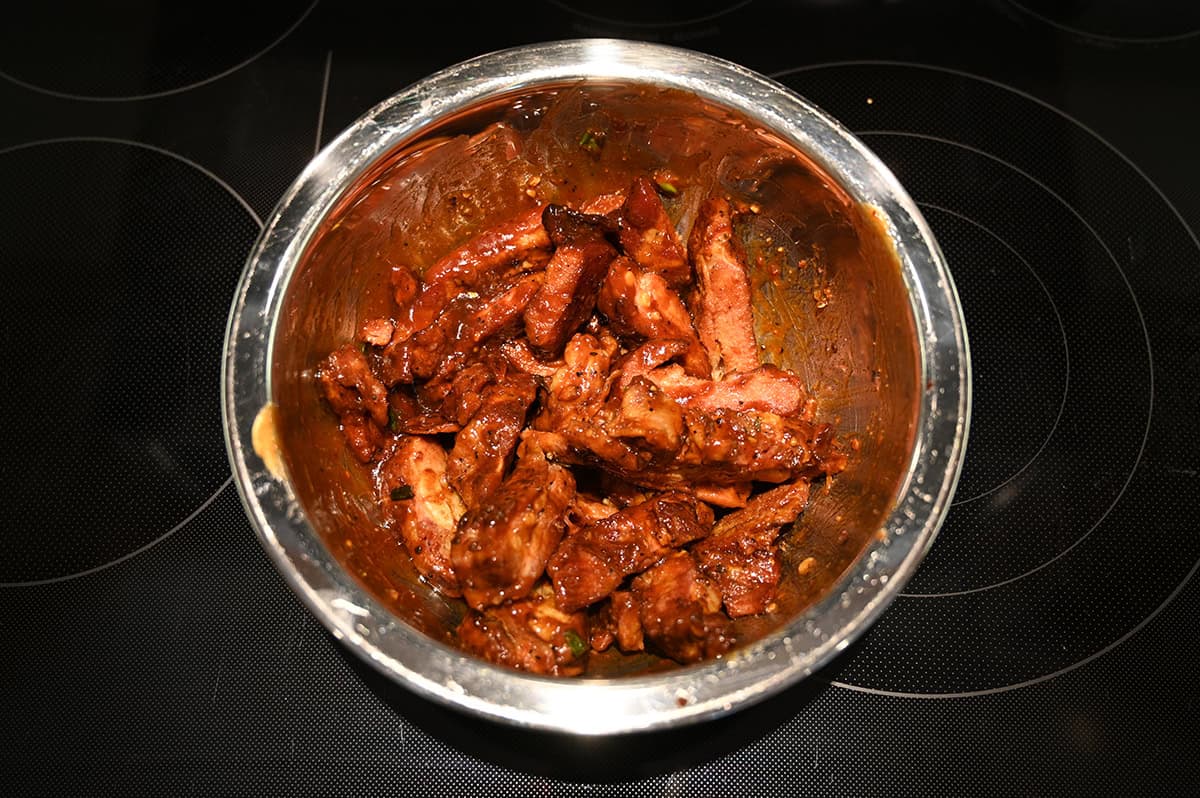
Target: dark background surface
x,y
1047,646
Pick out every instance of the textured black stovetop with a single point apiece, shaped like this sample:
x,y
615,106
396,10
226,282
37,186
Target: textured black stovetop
x,y
1048,643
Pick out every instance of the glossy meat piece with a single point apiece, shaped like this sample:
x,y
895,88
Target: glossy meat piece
x,y
591,562
646,358
457,395
617,621
417,498
680,611
573,275
741,556
501,547
640,303
465,267
376,332
566,226
766,388
530,635
484,447
648,236
587,510
405,290
358,398
407,416
583,379
735,495
500,314
523,359
725,447
721,301
464,323
648,416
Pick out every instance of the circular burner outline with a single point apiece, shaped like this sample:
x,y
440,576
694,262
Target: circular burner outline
x,y
1191,234
166,92
1145,336
228,480
1061,329
734,6
1105,37
1187,578
128,555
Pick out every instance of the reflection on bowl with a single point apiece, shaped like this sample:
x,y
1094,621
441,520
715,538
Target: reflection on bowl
x,y
871,323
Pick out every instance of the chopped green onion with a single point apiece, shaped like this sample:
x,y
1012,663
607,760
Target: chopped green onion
x,y
401,493
394,420
578,647
667,188
592,141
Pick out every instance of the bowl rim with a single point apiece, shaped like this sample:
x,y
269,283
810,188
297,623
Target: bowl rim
x,y
597,706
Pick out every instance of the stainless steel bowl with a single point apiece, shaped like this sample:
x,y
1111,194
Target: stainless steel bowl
x,y
891,502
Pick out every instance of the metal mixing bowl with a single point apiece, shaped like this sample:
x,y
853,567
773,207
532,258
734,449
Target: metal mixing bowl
x,y
905,324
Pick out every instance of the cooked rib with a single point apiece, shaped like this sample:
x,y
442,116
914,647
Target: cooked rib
x,y
591,562
648,236
616,621
640,303
417,497
530,635
721,302
484,447
742,556
502,545
680,611
765,388
573,275
463,268
358,397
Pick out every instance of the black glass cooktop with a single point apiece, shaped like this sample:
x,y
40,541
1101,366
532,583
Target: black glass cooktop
x,y
1048,644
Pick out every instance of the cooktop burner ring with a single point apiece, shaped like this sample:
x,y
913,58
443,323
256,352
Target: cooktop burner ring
x,y
719,10
1095,655
1063,612
125,441
958,498
1103,36
1064,546
124,95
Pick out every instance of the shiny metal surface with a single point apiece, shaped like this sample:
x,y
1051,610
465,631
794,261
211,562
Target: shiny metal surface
x,y
267,349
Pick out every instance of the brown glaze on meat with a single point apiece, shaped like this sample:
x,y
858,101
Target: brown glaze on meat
x,y
358,397
484,447
680,611
617,621
741,555
567,296
530,635
464,268
726,447
502,545
648,235
640,303
721,301
416,495
765,388
590,563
